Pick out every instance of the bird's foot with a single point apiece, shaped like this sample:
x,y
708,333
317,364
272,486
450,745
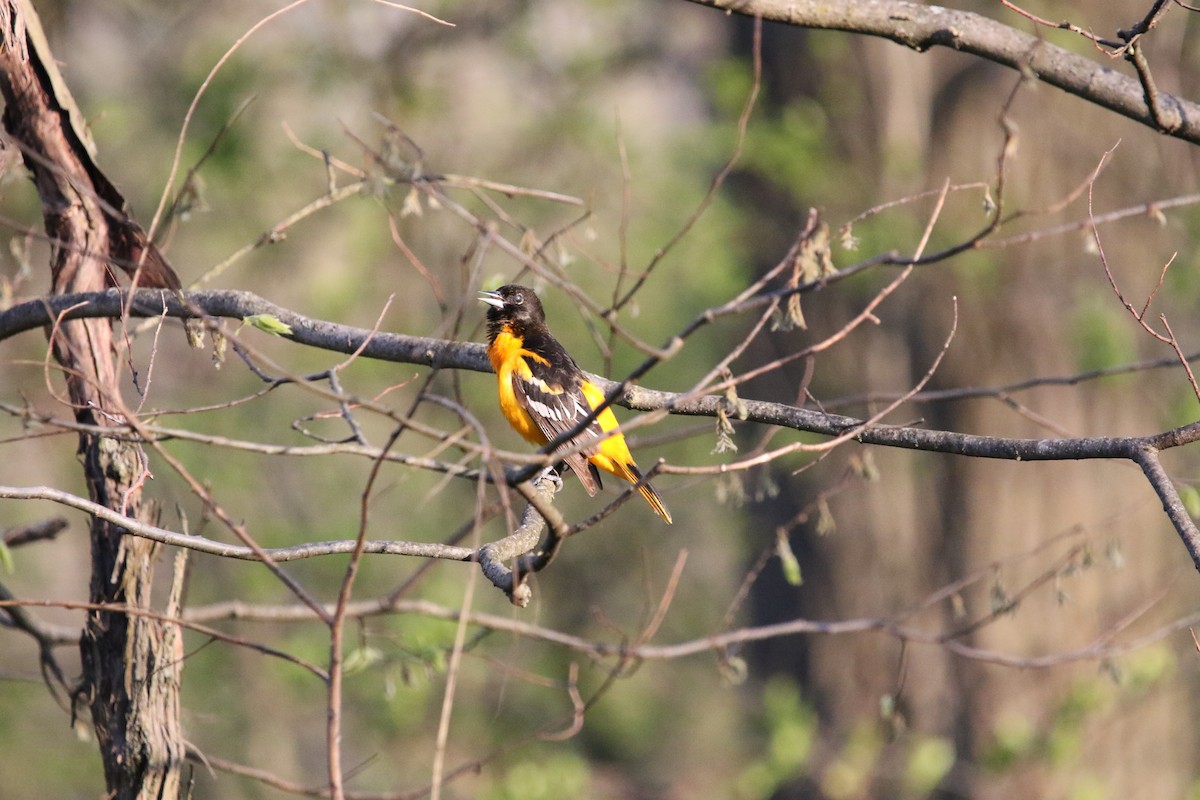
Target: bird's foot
x,y
550,474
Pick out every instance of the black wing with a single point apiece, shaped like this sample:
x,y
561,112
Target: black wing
x,y
552,397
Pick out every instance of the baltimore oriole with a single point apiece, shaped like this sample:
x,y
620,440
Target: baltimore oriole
x,y
544,394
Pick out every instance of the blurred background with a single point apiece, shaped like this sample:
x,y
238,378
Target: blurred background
x,y
1070,671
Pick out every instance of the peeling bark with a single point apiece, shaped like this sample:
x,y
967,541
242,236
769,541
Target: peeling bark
x,y
131,662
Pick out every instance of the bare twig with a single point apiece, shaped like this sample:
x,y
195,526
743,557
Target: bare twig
x,y
714,186
1169,337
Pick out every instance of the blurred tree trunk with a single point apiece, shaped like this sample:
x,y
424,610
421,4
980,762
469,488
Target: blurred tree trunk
x,y
934,520
131,663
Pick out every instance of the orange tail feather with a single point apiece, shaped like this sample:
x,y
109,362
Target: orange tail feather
x,y
647,491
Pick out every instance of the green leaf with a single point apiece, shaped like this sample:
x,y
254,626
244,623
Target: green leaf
x,y
268,323
825,521
787,558
360,659
734,670
6,558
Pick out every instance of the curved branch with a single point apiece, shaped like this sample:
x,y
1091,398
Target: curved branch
x,y
539,514
201,544
491,556
922,27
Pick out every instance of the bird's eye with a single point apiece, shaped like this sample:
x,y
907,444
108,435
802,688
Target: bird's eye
x,y
518,299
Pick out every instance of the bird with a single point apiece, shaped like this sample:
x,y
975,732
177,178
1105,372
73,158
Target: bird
x,y
544,394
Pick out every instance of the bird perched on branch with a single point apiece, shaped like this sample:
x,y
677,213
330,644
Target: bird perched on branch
x,y
544,394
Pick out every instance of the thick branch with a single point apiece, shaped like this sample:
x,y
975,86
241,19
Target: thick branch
x,y
909,438
239,305
922,27
471,356
495,557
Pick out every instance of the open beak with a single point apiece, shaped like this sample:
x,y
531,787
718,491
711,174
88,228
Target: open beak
x,y
493,299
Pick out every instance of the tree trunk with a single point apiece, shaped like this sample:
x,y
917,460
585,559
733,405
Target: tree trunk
x,y
131,662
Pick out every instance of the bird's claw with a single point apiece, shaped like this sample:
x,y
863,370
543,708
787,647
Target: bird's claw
x,y
550,474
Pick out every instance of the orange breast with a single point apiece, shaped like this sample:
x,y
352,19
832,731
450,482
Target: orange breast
x,y
508,356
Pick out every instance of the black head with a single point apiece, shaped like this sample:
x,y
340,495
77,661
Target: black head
x,y
512,305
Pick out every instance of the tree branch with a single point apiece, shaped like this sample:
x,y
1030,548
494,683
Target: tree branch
x,y
211,547
239,305
471,356
922,27
1147,459
33,532
491,556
